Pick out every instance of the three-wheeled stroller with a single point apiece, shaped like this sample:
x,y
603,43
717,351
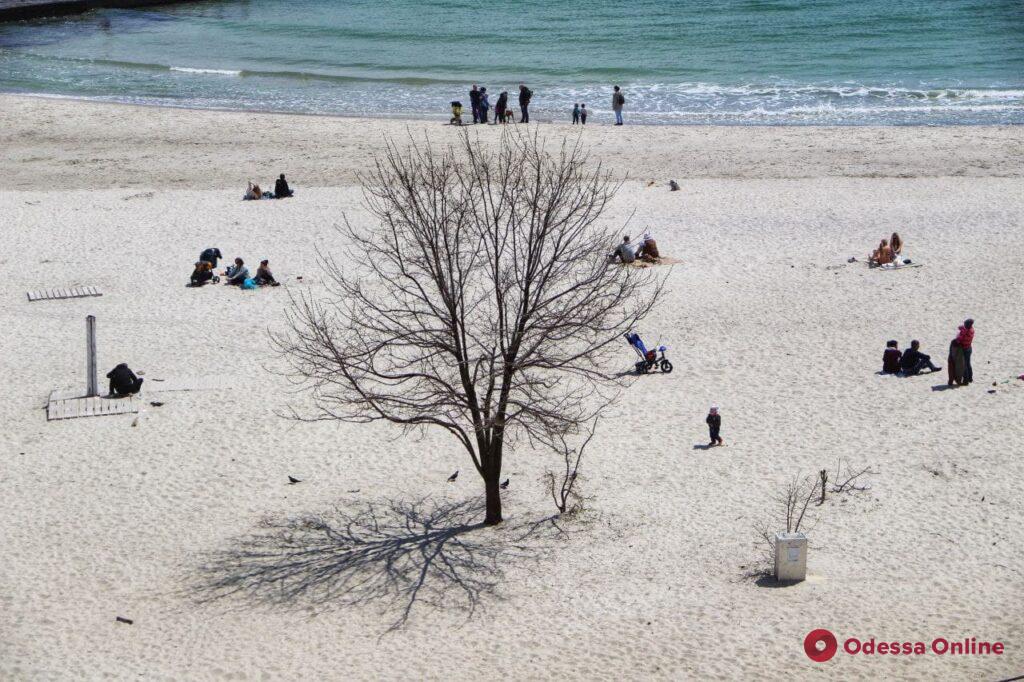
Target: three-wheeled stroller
x,y
456,119
649,359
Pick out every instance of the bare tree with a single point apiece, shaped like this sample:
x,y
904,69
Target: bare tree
x,y
789,509
562,485
483,303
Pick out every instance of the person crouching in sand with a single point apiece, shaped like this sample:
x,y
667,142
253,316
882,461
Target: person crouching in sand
x,y
202,274
714,422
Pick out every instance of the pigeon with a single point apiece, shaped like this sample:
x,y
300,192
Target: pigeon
x,y
292,480
451,479
504,484
673,185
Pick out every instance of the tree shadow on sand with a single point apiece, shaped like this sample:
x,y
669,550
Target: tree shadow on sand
x,y
395,554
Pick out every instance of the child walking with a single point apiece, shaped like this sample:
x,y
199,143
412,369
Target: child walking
x,y
576,113
714,421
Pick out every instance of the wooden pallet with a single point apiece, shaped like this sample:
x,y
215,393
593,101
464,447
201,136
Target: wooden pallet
x,y
60,406
67,292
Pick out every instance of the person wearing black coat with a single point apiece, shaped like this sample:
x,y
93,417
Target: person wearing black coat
x,y
474,103
211,256
123,381
913,360
500,107
281,189
714,422
525,95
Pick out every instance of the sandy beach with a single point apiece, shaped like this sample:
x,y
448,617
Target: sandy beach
x,y
133,515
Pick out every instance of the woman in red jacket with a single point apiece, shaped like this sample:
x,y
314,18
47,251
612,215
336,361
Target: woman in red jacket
x,y
964,339
960,355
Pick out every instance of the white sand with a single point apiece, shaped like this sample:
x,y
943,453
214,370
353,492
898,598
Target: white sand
x,y
99,519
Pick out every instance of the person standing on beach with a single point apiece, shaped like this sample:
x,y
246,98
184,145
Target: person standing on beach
x,y
576,113
525,95
714,422
474,103
583,114
618,101
964,339
485,104
499,108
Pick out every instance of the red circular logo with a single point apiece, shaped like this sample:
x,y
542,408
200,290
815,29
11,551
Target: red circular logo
x,y
811,645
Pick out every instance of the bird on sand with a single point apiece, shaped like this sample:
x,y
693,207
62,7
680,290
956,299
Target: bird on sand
x,y
451,479
292,480
504,484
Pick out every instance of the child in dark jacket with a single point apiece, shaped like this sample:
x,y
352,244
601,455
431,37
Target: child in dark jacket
x,y
714,421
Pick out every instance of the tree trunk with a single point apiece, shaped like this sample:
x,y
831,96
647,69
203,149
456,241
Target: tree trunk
x,y
493,493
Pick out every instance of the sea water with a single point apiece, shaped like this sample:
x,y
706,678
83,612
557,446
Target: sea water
x,y
678,61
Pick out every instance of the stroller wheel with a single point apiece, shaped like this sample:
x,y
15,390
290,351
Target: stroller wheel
x,y
666,366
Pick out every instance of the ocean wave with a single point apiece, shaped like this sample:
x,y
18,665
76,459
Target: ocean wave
x,y
219,72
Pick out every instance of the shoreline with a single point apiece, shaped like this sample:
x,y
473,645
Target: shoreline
x,y
443,118
51,142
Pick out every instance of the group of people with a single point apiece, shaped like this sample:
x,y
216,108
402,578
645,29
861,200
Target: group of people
x,y
629,251
480,103
888,251
912,361
235,275
281,190
907,363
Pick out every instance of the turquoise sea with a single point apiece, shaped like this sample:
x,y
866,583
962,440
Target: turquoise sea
x,y
685,61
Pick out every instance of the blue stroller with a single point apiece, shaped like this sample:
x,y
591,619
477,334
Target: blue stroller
x,y
649,359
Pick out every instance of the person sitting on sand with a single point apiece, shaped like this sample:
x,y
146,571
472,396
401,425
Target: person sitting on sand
x,y
914,361
626,251
882,255
253,192
202,274
648,249
891,358
264,277
896,244
237,273
281,189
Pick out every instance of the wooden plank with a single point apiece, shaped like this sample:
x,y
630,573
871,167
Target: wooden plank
x,y
63,292
73,408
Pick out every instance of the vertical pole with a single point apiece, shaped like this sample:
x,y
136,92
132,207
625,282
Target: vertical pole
x,y
92,388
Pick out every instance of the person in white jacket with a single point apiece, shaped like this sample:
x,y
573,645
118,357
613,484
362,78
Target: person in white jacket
x,y
237,273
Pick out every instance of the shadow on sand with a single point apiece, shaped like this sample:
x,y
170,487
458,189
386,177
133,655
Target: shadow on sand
x,y
395,554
